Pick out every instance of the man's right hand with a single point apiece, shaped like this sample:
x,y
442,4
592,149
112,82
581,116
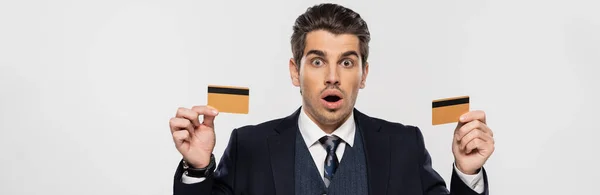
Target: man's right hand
x,y
195,140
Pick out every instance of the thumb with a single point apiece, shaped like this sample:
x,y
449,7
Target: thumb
x,y
209,118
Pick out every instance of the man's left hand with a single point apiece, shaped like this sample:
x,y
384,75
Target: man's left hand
x,y
473,142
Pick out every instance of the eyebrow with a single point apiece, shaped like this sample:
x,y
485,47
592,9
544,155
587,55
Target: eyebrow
x,y
349,53
322,54
316,52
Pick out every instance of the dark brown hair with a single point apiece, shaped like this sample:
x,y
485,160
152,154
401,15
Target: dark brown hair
x,y
333,18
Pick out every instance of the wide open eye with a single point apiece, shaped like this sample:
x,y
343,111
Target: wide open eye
x,y
317,62
347,63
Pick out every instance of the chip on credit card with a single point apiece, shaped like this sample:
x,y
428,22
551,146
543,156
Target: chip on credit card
x,y
230,99
449,110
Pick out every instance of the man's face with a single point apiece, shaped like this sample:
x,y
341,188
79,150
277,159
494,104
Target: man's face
x,y
330,76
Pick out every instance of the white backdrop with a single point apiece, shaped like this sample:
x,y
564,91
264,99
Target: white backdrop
x,y
87,88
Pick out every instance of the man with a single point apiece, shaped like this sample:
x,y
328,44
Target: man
x,y
326,146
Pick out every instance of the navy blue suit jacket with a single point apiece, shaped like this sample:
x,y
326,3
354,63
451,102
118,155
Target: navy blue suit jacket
x,y
259,159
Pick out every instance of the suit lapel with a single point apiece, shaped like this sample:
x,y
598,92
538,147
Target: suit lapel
x,y
377,151
281,150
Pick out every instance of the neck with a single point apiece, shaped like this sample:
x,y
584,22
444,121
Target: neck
x,y
327,128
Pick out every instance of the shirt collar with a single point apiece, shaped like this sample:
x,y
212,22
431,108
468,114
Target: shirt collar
x,y
312,133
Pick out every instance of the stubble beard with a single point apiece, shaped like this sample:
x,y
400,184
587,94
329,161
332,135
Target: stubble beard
x,y
326,116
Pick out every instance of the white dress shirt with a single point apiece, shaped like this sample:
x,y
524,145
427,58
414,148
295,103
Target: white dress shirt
x,y
311,133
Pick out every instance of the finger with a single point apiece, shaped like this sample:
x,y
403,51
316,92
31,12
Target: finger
x,y
209,121
483,127
205,110
473,144
467,128
486,129
189,115
475,134
473,115
178,124
208,113
180,136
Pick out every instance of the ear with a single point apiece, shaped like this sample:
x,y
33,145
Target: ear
x,y
294,74
364,76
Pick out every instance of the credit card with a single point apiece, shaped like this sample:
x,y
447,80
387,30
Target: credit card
x,y
230,99
449,110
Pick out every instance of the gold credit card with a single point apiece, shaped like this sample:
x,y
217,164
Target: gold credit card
x,y
448,110
229,98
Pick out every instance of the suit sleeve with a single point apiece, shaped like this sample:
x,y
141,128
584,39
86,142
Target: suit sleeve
x,y
433,183
220,183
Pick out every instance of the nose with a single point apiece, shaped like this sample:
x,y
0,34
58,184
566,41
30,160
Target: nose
x,y
333,77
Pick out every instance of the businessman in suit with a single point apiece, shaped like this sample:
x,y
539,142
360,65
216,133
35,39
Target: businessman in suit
x,y
326,146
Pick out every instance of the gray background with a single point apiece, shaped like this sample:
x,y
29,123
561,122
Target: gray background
x,y
87,87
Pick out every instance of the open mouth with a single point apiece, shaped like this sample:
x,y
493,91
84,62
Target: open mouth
x,y
332,98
